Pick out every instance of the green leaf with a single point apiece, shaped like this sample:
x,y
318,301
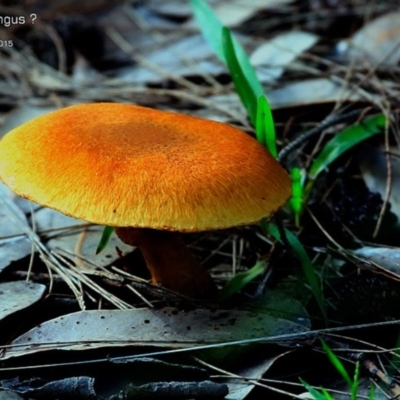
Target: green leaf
x,y
272,229
105,237
240,280
296,201
345,140
337,364
353,384
305,261
315,393
356,380
342,142
371,395
327,394
211,29
309,271
265,128
242,86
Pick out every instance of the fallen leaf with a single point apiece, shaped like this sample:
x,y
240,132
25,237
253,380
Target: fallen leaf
x,y
144,374
239,390
374,170
385,257
234,12
310,91
7,395
77,237
15,296
166,327
271,58
375,43
14,245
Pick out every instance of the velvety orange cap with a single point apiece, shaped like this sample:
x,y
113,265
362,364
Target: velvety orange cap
x,y
125,165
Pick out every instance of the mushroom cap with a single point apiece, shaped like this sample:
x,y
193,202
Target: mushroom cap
x,y
126,165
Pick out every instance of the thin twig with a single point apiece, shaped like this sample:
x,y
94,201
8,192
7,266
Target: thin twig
x,y
51,262
329,121
389,178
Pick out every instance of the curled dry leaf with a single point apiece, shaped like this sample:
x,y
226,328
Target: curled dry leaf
x,y
86,387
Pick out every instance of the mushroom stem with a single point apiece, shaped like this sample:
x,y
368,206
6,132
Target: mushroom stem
x,y
169,261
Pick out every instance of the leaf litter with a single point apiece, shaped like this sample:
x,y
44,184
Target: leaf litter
x,y
168,327
18,295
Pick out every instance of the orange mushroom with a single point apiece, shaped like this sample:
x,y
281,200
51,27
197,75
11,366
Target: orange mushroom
x,y
150,174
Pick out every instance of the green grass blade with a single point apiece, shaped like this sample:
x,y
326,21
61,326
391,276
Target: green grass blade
x,y
211,29
309,271
356,381
272,229
353,384
240,280
209,25
265,128
305,261
371,395
105,237
261,132
327,394
242,86
296,201
337,364
315,393
345,140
